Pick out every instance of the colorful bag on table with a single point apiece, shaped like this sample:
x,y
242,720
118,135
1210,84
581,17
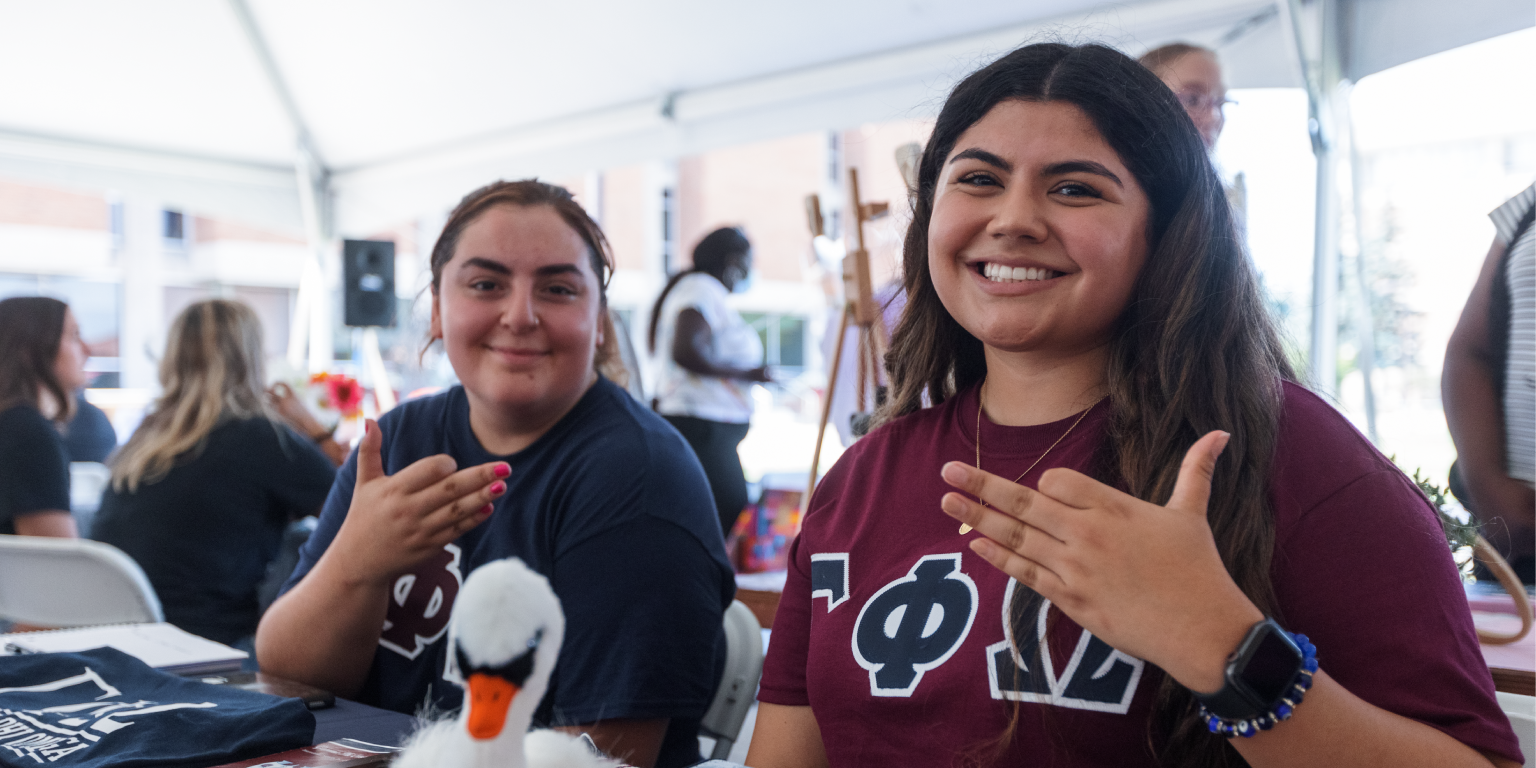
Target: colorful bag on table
x,y
103,707
760,541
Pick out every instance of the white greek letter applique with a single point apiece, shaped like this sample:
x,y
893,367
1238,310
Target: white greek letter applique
x,y
1097,677
43,736
420,603
914,624
829,578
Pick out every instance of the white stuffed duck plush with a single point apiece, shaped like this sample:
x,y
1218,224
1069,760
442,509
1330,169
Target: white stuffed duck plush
x,y
505,633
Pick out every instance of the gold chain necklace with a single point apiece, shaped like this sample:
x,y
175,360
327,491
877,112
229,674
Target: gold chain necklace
x,y
965,528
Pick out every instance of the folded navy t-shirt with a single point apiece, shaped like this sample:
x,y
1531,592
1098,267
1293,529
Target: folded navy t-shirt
x,y
103,707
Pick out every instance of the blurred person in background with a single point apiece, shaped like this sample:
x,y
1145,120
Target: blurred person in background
x,y
1194,76
1488,387
203,490
42,363
90,435
708,357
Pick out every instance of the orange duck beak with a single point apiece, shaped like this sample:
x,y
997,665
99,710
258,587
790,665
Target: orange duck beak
x,y
489,698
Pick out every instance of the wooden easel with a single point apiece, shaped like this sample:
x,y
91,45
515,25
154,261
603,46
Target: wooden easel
x,y
859,308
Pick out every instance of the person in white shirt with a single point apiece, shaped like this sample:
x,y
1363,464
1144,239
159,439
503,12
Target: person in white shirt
x,y
708,357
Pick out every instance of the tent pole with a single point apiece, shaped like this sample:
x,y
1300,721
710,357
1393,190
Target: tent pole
x,y
1323,76
311,322
1364,314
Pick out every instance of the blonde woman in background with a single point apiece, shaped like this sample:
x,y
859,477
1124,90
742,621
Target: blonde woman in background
x,y
201,493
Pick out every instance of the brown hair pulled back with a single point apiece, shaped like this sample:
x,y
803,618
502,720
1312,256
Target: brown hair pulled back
x,y
1193,351
528,193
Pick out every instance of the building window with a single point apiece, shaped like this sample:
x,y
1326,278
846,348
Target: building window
x,y
115,223
175,226
834,156
175,236
783,338
668,229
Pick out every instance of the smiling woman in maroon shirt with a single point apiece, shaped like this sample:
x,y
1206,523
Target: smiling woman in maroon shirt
x,y
1150,487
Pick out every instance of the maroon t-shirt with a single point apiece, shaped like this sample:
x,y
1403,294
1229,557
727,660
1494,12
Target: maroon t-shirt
x,y
896,634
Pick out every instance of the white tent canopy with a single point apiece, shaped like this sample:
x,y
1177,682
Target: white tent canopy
x,y
401,106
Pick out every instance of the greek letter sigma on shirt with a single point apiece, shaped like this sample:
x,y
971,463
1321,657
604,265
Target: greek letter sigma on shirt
x,y
916,623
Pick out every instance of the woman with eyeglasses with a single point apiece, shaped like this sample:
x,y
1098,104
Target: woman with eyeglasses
x,y
1194,75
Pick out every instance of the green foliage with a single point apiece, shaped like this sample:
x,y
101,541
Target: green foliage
x,y
1461,529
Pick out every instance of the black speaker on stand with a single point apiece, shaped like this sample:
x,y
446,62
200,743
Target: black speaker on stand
x,y
368,276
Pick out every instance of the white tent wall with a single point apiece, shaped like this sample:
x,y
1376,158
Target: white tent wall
x,y
169,98
405,106
906,83
1380,34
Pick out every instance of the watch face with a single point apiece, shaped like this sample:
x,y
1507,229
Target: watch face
x,y
1271,667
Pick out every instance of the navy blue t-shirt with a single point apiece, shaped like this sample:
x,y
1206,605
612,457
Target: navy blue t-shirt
x,y
612,507
103,708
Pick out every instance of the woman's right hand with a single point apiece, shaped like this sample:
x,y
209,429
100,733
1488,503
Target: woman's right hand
x,y
759,374
396,521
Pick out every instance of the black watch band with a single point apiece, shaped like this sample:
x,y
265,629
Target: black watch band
x,y
1258,673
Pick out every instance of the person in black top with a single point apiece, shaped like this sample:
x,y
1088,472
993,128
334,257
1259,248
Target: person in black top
x,y
42,360
201,493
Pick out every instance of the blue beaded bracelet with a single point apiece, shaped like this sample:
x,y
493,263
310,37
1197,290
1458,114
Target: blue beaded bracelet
x,y
1282,711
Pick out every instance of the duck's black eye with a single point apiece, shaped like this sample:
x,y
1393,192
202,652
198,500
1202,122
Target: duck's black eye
x,y
517,671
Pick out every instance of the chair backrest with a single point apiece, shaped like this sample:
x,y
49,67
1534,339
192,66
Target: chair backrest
x,y
738,686
1521,711
72,582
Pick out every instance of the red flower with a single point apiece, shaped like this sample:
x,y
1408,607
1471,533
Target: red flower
x,y
346,394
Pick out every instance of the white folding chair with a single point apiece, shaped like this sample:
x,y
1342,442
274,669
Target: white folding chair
x,y
72,582
1521,711
738,686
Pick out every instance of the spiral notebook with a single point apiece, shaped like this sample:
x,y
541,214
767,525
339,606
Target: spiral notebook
x,y
160,645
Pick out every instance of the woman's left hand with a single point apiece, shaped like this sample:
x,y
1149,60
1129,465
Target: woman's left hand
x,y
1146,579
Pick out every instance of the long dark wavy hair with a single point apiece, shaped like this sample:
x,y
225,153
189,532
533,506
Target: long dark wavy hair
x,y
1193,351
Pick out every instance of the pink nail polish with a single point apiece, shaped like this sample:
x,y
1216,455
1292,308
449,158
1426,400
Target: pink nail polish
x,y
502,470
486,510
498,487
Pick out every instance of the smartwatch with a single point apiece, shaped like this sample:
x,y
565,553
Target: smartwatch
x,y
1258,674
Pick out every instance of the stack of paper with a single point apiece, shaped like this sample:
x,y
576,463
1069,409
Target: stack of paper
x,y
162,646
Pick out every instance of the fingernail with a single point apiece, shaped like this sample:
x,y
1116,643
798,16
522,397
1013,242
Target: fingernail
x,y
498,487
487,509
1225,438
954,472
950,505
502,470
